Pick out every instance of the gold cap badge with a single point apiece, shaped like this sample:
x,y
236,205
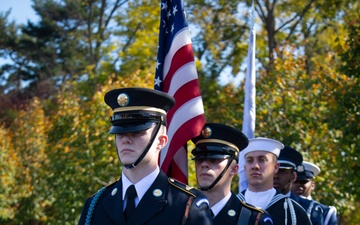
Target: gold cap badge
x,y
206,132
123,99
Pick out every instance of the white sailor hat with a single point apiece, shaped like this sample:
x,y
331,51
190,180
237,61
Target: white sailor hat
x,y
264,144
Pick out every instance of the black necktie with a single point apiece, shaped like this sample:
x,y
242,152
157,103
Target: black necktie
x,y
130,204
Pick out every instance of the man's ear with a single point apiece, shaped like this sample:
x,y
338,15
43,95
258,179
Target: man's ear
x,y
294,177
276,167
313,185
163,140
234,169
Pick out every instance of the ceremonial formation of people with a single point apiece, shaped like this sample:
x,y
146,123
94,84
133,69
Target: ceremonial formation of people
x,y
279,188
260,167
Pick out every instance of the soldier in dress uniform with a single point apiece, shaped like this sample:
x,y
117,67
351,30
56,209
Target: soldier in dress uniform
x,y
305,184
216,159
290,161
260,167
143,194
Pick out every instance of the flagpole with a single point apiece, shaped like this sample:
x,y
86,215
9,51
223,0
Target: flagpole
x,y
249,114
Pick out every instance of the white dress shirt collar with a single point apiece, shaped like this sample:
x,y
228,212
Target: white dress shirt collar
x,y
220,204
141,186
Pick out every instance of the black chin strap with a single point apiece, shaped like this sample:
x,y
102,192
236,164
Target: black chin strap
x,y
218,178
153,136
287,185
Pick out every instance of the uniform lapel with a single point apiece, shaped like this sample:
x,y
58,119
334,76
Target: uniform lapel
x,y
152,202
113,204
229,213
278,196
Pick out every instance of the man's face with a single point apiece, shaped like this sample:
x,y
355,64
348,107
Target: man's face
x,y
207,170
283,180
260,167
131,145
303,187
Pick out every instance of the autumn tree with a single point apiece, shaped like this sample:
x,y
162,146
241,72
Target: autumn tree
x,y
8,162
29,139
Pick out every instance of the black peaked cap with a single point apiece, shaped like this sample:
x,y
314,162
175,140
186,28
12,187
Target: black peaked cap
x,y
137,109
290,158
219,140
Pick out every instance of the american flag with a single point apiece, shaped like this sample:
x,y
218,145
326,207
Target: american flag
x,y
176,75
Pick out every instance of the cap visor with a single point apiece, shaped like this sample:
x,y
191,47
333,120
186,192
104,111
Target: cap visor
x,y
303,178
212,156
130,128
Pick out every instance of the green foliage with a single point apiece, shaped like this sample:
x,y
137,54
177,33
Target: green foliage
x,y
139,23
8,164
216,35
28,140
346,117
296,108
80,154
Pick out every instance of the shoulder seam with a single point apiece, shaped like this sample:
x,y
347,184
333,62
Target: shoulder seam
x,y
251,206
187,188
107,186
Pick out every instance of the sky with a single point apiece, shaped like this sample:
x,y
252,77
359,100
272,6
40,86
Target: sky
x,y
21,10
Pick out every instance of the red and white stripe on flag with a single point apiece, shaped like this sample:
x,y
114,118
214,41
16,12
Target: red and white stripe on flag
x,y
176,75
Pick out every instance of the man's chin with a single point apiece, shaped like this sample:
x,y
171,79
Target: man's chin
x,y
276,186
204,184
255,183
127,162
